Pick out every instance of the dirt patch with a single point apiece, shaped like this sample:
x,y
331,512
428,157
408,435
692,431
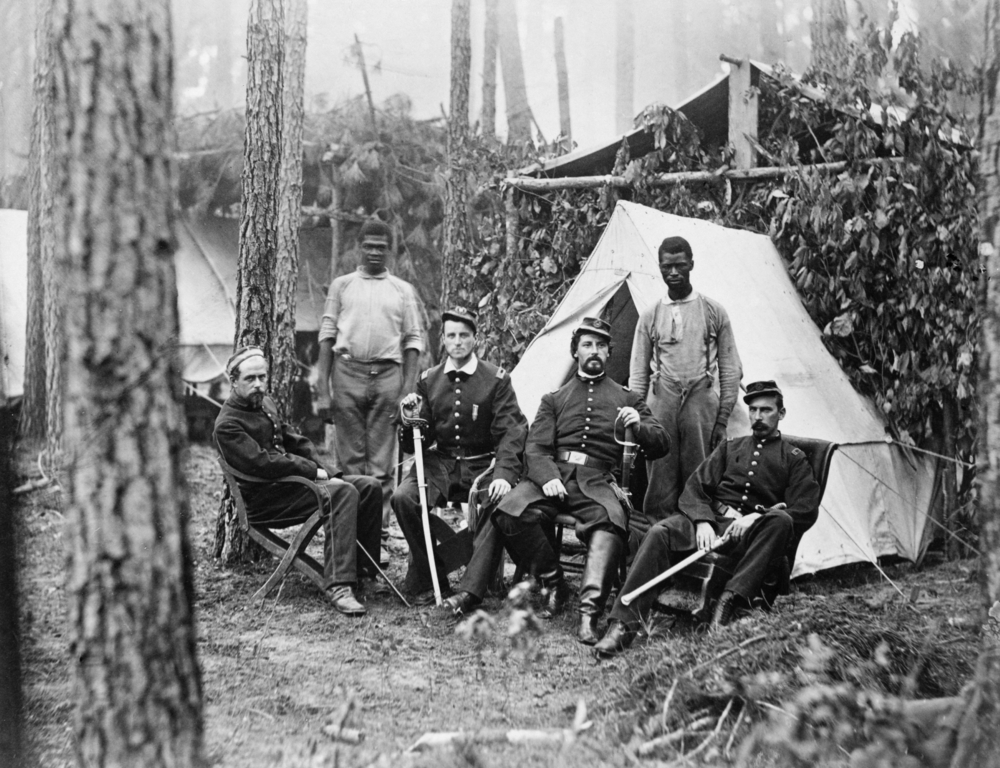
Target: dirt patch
x,y
273,672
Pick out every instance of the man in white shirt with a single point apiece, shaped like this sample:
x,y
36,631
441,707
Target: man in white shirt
x,y
682,344
370,340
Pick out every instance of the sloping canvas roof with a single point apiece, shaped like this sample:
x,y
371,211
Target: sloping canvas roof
x,y
878,495
206,286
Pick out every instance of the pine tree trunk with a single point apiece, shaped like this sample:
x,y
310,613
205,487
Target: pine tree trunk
x,y
978,735
129,586
515,92
562,81
624,65
456,232
256,281
490,33
828,33
284,364
11,702
33,407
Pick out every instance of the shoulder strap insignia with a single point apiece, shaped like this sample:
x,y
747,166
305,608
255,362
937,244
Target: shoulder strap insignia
x,y
501,373
424,374
729,439
797,451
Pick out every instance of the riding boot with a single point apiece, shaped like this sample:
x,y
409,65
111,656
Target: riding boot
x,y
529,547
604,552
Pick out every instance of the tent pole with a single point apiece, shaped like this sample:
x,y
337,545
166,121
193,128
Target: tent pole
x,y
531,184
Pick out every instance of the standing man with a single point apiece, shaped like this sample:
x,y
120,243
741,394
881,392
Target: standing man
x,y
766,497
472,419
253,441
682,343
569,456
370,339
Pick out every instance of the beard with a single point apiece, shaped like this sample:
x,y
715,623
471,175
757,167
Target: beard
x,y
593,366
256,399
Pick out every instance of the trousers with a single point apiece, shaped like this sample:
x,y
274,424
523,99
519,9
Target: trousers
x,y
688,417
353,515
364,401
669,542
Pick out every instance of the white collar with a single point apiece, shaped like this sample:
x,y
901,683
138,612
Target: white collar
x,y
690,297
469,368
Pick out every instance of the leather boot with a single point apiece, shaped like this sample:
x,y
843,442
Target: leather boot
x,y
615,640
530,548
604,552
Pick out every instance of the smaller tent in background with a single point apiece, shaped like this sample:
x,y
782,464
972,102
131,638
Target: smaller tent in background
x,y
879,494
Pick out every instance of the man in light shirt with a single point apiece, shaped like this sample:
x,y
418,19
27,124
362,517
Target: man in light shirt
x,y
682,345
370,340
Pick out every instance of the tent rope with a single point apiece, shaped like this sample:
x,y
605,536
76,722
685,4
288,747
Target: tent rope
x,y
910,507
953,460
874,561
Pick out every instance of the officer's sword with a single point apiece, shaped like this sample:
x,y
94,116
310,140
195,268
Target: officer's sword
x,y
628,598
425,515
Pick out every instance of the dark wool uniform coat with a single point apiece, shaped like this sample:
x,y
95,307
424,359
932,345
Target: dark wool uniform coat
x,y
580,417
255,442
474,417
744,472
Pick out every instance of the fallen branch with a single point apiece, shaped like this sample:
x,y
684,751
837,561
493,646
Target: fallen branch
x,y
719,657
708,739
732,736
534,736
648,747
336,724
32,485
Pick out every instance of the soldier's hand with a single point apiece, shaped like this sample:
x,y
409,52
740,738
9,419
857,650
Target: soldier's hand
x,y
718,435
498,489
411,405
324,406
704,535
554,488
629,416
742,525
321,474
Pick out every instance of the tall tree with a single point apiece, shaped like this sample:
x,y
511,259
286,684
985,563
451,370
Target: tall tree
x,y
978,736
456,226
284,364
624,65
490,34
828,33
562,82
11,713
515,92
34,406
130,592
257,299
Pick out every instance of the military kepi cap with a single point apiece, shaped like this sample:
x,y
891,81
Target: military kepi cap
x,y
462,315
758,388
595,326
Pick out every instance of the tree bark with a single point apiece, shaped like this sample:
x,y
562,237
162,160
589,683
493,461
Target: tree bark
x,y
515,92
978,736
489,112
456,234
562,81
129,586
828,34
256,282
33,407
284,364
11,701
624,65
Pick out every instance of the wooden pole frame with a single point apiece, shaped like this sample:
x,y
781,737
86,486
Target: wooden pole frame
x,y
532,184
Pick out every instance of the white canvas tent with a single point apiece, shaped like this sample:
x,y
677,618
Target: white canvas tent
x,y
206,286
878,495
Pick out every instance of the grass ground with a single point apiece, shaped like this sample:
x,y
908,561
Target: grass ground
x,y
274,673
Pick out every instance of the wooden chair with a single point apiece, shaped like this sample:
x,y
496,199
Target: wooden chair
x,y
697,587
291,553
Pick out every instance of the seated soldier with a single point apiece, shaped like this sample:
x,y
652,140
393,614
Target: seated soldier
x,y
569,456
252,441
472,417
759,490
